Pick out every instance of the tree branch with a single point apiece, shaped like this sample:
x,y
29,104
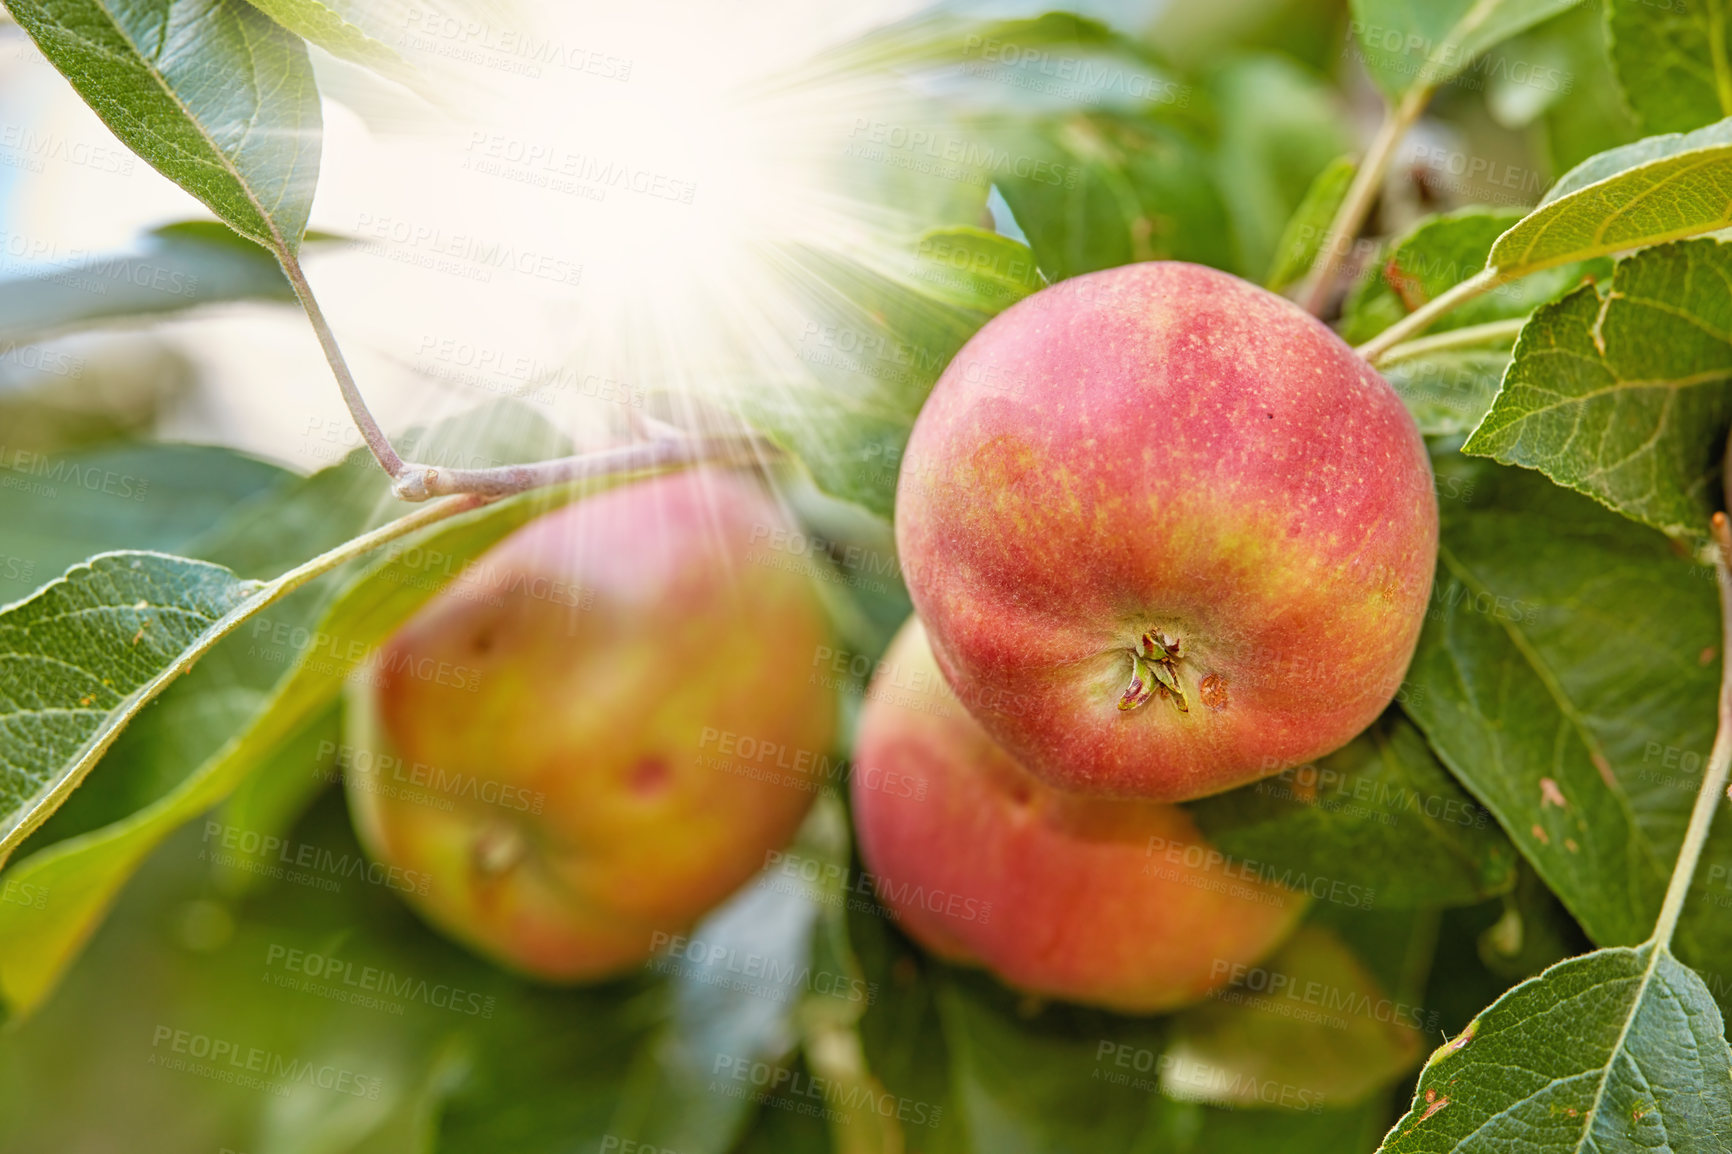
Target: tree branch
x,y
1361,195
420,482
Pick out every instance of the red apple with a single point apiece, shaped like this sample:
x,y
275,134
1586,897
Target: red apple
x,y
551,739
1114,903
1168,533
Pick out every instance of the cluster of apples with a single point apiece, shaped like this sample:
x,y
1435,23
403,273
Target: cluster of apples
x,y
1165,534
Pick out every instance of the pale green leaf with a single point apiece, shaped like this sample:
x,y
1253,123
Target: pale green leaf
x,y
353,29
211,93
178,267
1302,238
1412,45
1448,392
1655,190
1310,1018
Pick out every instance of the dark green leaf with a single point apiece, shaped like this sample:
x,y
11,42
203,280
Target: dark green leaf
x,y
58,510
211,93
880,333
1280,128
181,267
1564,649
1104,189
1672,61
1589,114
1619,1050
1380,813
1310,1018
1620,390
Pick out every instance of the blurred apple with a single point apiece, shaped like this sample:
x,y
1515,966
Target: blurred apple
x,y
554,739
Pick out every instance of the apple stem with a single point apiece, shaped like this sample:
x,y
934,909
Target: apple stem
x,y
1376,349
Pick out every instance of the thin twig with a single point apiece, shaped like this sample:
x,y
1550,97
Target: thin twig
x,y
377,441
1421,318
1468,337
1361,195
424,481
1719,758
415,481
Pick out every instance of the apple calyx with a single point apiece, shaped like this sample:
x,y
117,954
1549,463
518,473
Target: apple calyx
x,y
497,849
1155,669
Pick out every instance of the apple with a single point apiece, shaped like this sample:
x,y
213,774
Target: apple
x,y
1113,903
1169,534
599,730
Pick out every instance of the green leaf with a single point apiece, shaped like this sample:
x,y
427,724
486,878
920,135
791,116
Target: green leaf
x,y
1565,648
669,1090
1655,190
211,93
1380,813
1672,61
87,652
1619,1050
1302,239
1448,391
353,29
84,873
1414,45
324,965
1620,390
1589,115
1280,127
182,266
1309,1017
57,510
1106,188
882,329
975,269
1063,1080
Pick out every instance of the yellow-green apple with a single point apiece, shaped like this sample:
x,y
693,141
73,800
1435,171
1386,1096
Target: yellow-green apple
x,y
1115,903
551,738
1169,534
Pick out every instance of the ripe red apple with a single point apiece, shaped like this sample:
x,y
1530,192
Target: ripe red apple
x,y
1168,533
1119,904
547,739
